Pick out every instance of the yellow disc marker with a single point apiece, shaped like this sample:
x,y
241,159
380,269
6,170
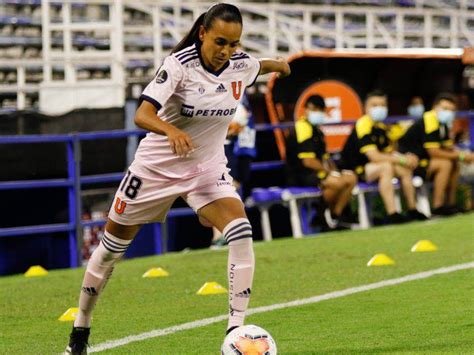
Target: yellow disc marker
x,y
211,288
155,272
69,315
36,270
424,245
380,260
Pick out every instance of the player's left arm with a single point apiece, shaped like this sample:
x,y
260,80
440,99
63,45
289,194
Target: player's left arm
x,y
279,66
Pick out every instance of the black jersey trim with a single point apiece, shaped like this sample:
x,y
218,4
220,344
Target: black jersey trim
x,y
239,56
190,54
151,100
185,50
190,59
215,73
256,76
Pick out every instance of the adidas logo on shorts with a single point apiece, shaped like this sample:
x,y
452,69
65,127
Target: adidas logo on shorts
x,y
221,88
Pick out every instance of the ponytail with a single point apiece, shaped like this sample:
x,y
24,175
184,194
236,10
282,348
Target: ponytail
x,y
222,11
192,36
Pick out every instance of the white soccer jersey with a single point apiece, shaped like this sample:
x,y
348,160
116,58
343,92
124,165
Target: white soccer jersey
x,y
198,101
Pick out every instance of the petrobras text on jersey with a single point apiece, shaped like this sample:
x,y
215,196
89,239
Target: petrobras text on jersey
x,y
191,111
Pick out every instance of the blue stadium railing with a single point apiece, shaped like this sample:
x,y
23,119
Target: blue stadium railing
x,y
74,180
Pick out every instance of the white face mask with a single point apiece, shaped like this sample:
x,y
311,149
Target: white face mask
x,y
446,117
316,117
378,113
416,110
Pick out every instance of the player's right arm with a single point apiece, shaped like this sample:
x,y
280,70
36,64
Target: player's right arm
x,y
279,66
154,97
146,118
374,155
410,160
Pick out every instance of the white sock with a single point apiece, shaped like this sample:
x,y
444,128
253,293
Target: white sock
x,y
99,269
241,265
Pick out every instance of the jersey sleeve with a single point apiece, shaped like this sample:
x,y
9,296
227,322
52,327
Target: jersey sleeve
x,y
252,72
364,134
432,136
304,134
164,84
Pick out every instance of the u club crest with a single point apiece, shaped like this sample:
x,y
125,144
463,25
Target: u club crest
x,y
237,89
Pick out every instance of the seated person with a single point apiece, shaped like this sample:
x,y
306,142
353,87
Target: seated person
x,y
308,164
428,138
370,153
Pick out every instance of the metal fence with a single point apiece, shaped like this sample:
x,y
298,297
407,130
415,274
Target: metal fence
x,y
75,181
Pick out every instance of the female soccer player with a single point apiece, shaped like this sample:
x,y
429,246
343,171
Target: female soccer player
x,y
187,108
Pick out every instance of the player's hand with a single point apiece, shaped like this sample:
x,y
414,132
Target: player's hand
x,y
284,68
180,143
412,160
234,129
469,158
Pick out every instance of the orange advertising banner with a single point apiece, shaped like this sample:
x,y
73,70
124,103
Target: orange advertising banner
x,y
342,104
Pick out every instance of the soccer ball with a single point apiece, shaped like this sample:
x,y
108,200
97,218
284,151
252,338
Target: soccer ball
x,y
249,340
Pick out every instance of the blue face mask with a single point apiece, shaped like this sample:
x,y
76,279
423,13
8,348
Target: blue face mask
x,y
446,116
378,113
316,117
416,110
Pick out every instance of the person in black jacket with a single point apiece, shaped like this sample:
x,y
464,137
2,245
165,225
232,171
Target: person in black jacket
x,y
308,162
428,138
369,152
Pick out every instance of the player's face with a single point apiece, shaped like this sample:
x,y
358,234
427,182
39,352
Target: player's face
x,y
219,42
375,101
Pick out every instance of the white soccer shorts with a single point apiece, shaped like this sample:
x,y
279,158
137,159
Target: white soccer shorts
x,y
146,198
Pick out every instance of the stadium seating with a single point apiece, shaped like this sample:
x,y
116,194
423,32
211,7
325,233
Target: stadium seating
x,y
21,34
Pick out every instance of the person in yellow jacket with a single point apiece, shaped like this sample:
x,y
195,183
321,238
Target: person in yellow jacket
x,y
428,138
308,162
369,152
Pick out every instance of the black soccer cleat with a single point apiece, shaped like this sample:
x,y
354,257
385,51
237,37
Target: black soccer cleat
x,y
78,341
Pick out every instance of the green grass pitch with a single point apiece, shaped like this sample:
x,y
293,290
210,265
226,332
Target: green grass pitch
x,y
433,315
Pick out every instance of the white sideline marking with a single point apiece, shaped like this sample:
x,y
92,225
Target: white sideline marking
x,y
331,295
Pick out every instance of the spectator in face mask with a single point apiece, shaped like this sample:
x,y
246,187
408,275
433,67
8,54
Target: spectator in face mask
x,y
308,163
429,139
416,107
369,152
